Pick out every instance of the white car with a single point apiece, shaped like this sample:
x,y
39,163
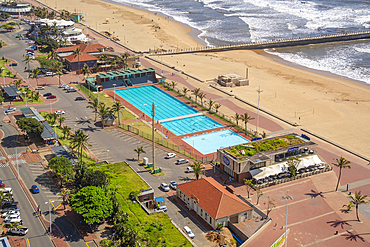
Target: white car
x,y
71,89
62,86
189,169
173,185
60,112
165,187
10,213
49,73
12,217
189,232
10,109
170,155
19,231
164,208
39,88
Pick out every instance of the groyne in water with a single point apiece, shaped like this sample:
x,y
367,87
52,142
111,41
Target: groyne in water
x,y
300,41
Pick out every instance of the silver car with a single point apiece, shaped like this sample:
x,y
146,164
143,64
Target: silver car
x,y
165,187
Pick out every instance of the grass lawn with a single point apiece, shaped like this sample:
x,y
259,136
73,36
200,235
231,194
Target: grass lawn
x,y
6,71
155,227
29,99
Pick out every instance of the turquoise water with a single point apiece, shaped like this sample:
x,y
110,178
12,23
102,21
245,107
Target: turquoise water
x,y
167,105
210,142
191,125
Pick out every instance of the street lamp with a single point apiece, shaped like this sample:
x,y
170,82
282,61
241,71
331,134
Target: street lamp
x,y
74,128
107,156
55,133
25,96
16,156
49,202
286,198
258,111
145,111
3,68
114,92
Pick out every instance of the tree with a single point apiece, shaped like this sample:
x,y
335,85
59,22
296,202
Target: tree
x,y
236,117
249,185
210,104
65,195
198,169
92,204
35,74
139,150
116,108
341,163
103,112
201,96
246,118
77,53
173,84
270,205
17,83
86,70
217,106
259,192
52,55
94,178
30,125
355,201
263,135
293,163
196,93
57,68
61,120
51,44
66,131
80,141
185,90
94,104
62,168
27,59
80,170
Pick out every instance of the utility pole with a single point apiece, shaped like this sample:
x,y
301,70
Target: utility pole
x,y
286,198
258,111
153,115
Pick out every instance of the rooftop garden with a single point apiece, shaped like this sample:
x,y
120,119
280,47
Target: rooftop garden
x,y
253,148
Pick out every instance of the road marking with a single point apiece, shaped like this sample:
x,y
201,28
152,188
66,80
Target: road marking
x,y
294,202
30,151
313,218
28,242
58,206
87,243
52,204
138,169
324,239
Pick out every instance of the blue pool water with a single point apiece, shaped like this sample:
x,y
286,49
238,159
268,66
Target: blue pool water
x,y
167,106
210,142
191,124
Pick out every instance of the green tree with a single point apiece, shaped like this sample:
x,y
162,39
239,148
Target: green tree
x,y
34,74
92,204
139,150
173,84
246,118
293,163
80,170
201,97
103,112
52,55
57,68
28,59
198,169
61,120
116,108
77,52
64,195
341,163
210,104
249,185
259,192
86,70
62,168
80,141
185,90
66,131
356,201
236,117
217,106
30,125
51,44
94,104
94,178
196,92
270,205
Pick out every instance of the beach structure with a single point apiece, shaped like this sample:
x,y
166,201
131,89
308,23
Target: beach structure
x,y
124,78
76,17
267,158
232,80
12,93
15,8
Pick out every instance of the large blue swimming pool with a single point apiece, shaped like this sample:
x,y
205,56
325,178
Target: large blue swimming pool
x,y
210,142
167,106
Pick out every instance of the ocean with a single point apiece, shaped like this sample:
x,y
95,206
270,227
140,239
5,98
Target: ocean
x,y
223,22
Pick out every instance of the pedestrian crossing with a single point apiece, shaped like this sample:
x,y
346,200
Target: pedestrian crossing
x,y
4,164
10,156
22,161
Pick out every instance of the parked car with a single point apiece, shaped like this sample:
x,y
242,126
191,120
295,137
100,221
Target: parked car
x,y
10,109
189,169
70,90
9,213
47,94
49,73
165,187
66,87
51,97
60,112
8,204
189,232
170,155
17,220
13,64
62,86
182,161
164,208
12,217
173,185
34,189
65,71
19,231
80,98
39,88
12,208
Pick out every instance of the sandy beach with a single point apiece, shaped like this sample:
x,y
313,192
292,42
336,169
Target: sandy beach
x,y
332,107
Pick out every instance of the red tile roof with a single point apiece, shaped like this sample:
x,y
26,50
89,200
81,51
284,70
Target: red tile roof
x,y
213,197
83,57
88,48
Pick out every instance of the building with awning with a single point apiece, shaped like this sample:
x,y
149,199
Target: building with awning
x,y
31,112
15,8
11,92
265,157
64,151
49,135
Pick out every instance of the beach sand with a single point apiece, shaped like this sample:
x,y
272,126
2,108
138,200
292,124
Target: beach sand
x,y
332,107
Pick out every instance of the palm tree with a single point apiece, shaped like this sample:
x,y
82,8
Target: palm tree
x,y
36,96
52,55
64,195
66,131
17,83
210,104
61,120
198,169
54,118
201,96
77,53
32,96
185,90
103,112
139,150
57,68
355,201
246,118
196,93
86,70
341,163
34,74
80,141
125,57
173,84
116,108
236,117
27,59
217,106
94,104
104,58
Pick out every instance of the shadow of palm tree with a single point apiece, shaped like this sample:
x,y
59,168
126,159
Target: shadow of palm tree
x,y
315,194
340,223
345,211
350,236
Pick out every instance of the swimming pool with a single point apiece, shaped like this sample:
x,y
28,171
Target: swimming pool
x,y
191,124
167,105
210,142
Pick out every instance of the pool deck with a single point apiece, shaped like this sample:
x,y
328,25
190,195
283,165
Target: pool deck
x,y
180,117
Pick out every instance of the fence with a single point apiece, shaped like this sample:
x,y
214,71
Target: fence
x,y
86,91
